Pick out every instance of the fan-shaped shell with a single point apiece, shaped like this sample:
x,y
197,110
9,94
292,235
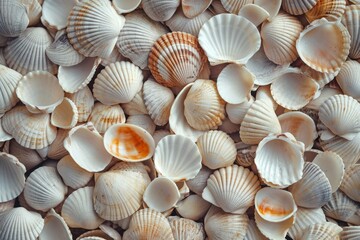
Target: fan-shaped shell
x,y
351,19
8,83
254,13
14,18
298,7
253,233
347,78
103,116
350,233
84,102
349,184
183,228
160,11
55,227
321,78
55,13
323,231
237,112
65,115
329,9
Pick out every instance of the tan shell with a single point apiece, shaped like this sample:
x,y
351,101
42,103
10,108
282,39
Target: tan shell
x,y
103,116
29,157
329,9
349,184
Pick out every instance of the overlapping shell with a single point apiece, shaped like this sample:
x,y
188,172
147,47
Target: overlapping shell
x,y
8,83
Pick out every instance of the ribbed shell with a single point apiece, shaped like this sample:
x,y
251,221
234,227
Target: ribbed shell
x,y
253,233
104,116
8,82
13,18
160,10
351,19
183,229
55,13
298,7
332,10
136,106
144,121
322,231
350,182
350,233
84,102
234,6
237,112
321,78
348,78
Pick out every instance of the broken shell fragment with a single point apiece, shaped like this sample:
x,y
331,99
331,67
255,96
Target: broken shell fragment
x,y
65,115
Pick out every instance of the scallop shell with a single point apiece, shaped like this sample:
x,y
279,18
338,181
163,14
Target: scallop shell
x,y
347,78
193,207
232,188
40,91
160,11
198,183
172,162
217,8
144,121
321,78
310,48
272,7
259,121
84,102
351,19
183,229
136,106
103,116
176,59
226,50
279,38
19,223
93,27
279,160
158,101
65,115
8,83
56,149
55,13
350,233
313,190
203,107
332,10
29,157
14,18
254,13
349,184
298,7
234,6
237,112
324,231
78,210
274,230
118,83
126,6
32,42
138,36
29,130
192,9
55,228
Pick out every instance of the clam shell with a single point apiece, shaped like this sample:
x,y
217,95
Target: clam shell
x,y
29,157
29,130
176,59
56,149
84,102
226,50
65,115
198,183
14,18
254,13
272,7
232,188
347,78
93,27
144,121
298,7
103,116
55,228
253,233
274,230
32,42
234,6
332,10
78,210
183,229
351,19
136,106
118,83
55,13
237,112
126,6
160,11
324,231
350,233
349,184
193,207
192,9
310,48
8,83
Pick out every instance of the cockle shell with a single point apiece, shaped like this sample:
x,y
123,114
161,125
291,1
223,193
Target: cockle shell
x,y
55,228
183,229
227,50
351,19
254,13
8,83
55,13
144,121
126,6
193,207
298,7
104,116
14,18
350,233
347,78
93,27
324,231
84,102
160,11
349,184
332,10
65,115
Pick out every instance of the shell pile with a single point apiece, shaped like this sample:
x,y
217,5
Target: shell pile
x,y
179,119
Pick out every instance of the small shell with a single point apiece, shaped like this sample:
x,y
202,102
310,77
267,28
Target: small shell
x,y
55,13
347,78
226,50
350,233
56,149
274,230
29,157
237,112
279,38
176,59
272,7
65,115
183,229
351,19
126,6
254,13
310,48
298,7
103,116
118,83
14,18
55,228
84,102
19,223
198,183
350,182
136,106
172,162
232,188
332,10
253,233
144,121
160,11
323,231
93,27
234,6
192,9
203,107
245,156
8,83
78,210
193,207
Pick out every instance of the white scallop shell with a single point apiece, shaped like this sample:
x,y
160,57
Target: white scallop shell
x,y
272,7
237,112
8,82
144,121
254,13
193,207
55,228
331,10
103,116
325,230
136,106
160,11
14,18
84,102
351,19
274,230
298,7
183,229
55,13
349,184
347,78
125,6
65,115
192,9
198,183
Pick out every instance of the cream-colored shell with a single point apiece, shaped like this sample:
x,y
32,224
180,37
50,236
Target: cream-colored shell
x,y
183,229
136,106
274,230
349,184
253,232
103,116
324,231
192,9
65,115
56,149
55,228
254,13
8,83
55,13
325,94
350,19
193,207
160,11
144,121
350,233
332,10
272,7
298,7
347,78
264,92
237,112
84,102
14,18
198,183
321,78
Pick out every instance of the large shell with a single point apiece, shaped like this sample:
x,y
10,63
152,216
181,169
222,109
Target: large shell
x,y
232,188
65,115
29,130
118,83
55,228
160,10
14,18
332,10
351,19
176,59
104,116
93,27
55,13
8,83
32,43
349,184
84,102
347,78
321,231
183,229
298,7
222,50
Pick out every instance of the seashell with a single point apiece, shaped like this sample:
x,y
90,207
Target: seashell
x,y
55,13
91,157
94,235
193,207
274,205
183,228
32,131
298,7
313,190
350,233
28,157
221,225
301,126
288,167
333,167
321,78
332,10
179,22
78,210
136,106
253,233
325,94
44,189
84,102
118,83
322,231
114,57
161,194
217,149
217,7
203,107
34,11
259,121
237,112
350,20
93,28
158,101
72,174
14,18
160,11
192,9
274,230
8,83
32,42
264,92
176,59
198,183
349,184
232,26
347,78
254,13
12,177
279,38
232,188
104,116
125,6
305,218
272,7
309,49
149,224
61,51
234,83
56,149
5,206
177,120
75,78
118,201
160,134
40,91
144,121
111,232
55,227
245,156
65,115
229,127
19,223
234,6
138,36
